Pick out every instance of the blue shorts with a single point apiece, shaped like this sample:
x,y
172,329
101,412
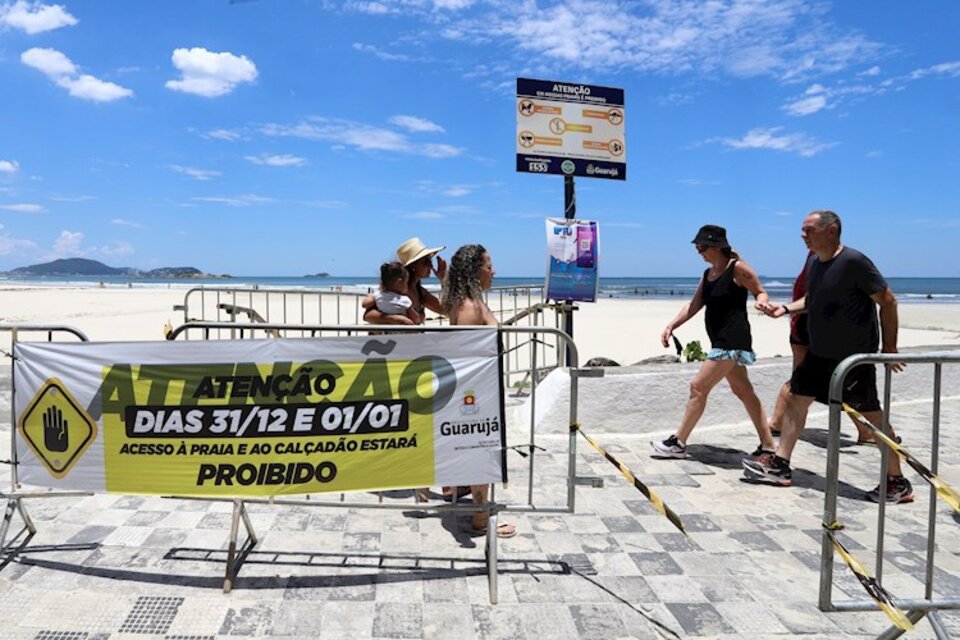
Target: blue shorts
x,y
739,356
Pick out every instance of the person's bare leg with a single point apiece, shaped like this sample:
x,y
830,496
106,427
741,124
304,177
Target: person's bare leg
x,y
794,420
893,460
739,382
799,351
712,372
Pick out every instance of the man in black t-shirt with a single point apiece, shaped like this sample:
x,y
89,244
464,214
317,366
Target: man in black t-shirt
x,y
843,289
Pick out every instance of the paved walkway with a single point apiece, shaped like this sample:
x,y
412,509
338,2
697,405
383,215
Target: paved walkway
x,y
131,567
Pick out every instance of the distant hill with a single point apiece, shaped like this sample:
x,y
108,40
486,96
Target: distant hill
x,y
70,267
322,274
86,267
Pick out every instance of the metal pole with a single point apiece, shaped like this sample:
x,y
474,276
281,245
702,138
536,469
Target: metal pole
x,y
830,497
569,213
934,463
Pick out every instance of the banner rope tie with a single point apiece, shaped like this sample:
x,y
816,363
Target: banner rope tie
x,y
881,596
654,499
945,491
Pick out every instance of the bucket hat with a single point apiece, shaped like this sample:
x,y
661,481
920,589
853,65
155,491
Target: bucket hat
x,y
710,235
413,249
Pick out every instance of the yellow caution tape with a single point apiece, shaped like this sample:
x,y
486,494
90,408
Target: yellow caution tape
x,y
945,491
654,499
881,596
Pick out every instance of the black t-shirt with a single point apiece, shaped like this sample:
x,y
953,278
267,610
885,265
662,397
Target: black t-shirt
x,y
842,316
726,316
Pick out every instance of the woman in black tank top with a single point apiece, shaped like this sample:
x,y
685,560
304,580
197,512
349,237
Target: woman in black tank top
x,y
723,291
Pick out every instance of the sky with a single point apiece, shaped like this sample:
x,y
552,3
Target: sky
x,y
287,137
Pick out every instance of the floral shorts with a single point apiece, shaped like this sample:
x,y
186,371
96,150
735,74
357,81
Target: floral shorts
x,y
739,356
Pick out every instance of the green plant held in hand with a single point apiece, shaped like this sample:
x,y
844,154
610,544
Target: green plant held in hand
x,y
693,352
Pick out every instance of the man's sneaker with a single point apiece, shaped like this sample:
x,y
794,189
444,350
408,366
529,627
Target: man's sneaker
x,y
769,468
898,490
759,451
670,448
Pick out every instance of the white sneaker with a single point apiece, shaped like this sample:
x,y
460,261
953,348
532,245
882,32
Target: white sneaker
x,y
669,448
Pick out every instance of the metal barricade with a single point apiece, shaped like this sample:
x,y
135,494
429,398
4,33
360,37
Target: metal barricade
x,y
303,311
916,608
210,330
15,496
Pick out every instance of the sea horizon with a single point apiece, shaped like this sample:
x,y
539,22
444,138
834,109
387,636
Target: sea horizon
x,y
907,289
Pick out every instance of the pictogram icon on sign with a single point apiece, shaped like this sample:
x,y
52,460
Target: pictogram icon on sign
x,y
57,428
526,107
526,139
615,116
557,125
615,147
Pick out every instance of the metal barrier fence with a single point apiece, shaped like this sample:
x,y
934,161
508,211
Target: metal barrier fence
x,y
302,312
916,608
15,496
211,329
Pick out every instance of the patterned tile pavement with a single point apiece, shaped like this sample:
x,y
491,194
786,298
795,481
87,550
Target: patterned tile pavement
x,y
137,567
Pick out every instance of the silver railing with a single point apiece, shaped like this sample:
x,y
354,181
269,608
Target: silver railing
x,y
15,496
916,608
303,311
528,449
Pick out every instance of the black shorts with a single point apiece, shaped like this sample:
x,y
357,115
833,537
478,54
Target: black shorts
x,y
812,379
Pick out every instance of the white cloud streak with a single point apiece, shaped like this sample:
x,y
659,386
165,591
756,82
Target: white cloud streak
x,y
210,74
280,160
34,17
10,245
127,223
9,166
196,174
61,70
236,201
771,138
23,208
360,136
416,125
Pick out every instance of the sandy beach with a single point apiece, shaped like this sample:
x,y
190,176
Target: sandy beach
x,y
625,330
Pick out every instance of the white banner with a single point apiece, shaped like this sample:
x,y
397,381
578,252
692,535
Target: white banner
x,y
261,417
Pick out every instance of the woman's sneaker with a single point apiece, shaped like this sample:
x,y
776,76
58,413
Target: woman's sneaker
x,y
669,448
899,490
759,451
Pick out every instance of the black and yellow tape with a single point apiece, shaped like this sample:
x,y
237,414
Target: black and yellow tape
x,y
945,491
881,596
654,499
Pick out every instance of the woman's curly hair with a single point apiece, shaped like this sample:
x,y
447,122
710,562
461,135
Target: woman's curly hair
x,y
463,282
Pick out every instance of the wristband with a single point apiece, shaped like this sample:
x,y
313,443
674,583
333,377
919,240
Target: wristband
x,y
785,308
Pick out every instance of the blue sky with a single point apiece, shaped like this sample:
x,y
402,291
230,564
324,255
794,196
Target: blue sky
x,y
284,137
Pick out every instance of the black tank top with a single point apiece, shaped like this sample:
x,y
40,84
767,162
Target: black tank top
x,y
726,316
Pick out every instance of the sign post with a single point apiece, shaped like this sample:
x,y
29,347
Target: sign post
x,y
572,130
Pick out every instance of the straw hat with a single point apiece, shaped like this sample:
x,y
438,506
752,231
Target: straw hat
x,y
414,249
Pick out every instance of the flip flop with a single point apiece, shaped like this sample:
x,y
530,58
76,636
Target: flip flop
x,y
504,530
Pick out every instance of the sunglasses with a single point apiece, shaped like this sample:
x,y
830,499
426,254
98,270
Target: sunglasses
x,y
701,248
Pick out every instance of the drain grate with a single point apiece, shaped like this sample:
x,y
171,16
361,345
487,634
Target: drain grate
x,y
61,635
151,614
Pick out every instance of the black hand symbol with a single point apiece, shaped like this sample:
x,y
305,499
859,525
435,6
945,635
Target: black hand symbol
x,y
54,430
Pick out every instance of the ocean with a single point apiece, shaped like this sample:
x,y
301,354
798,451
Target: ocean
x,y
908,290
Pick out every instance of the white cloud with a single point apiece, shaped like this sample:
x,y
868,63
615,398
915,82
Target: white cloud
x,y
282,160
458,190
114,249
68,244
23,208
236,201
697,182
10,245
379,53
35,17
770,138
208,73
59,68
197,174
872,71
9,166
950,69
806,106
127,223
72,198
223,134
423,215
50,62
360,136
416,125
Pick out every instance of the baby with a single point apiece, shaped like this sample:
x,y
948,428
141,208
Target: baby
x,y
392,298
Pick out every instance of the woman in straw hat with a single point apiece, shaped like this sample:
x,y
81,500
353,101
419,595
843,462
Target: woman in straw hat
x,y
723,291
471,273
417,259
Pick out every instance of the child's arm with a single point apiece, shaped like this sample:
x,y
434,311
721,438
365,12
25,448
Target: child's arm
x,y
414,316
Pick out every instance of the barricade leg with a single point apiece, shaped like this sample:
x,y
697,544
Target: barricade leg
x,y
894,631
239,513
492,556
15,505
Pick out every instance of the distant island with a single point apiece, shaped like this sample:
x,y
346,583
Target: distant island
x,y
322,274
86,267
